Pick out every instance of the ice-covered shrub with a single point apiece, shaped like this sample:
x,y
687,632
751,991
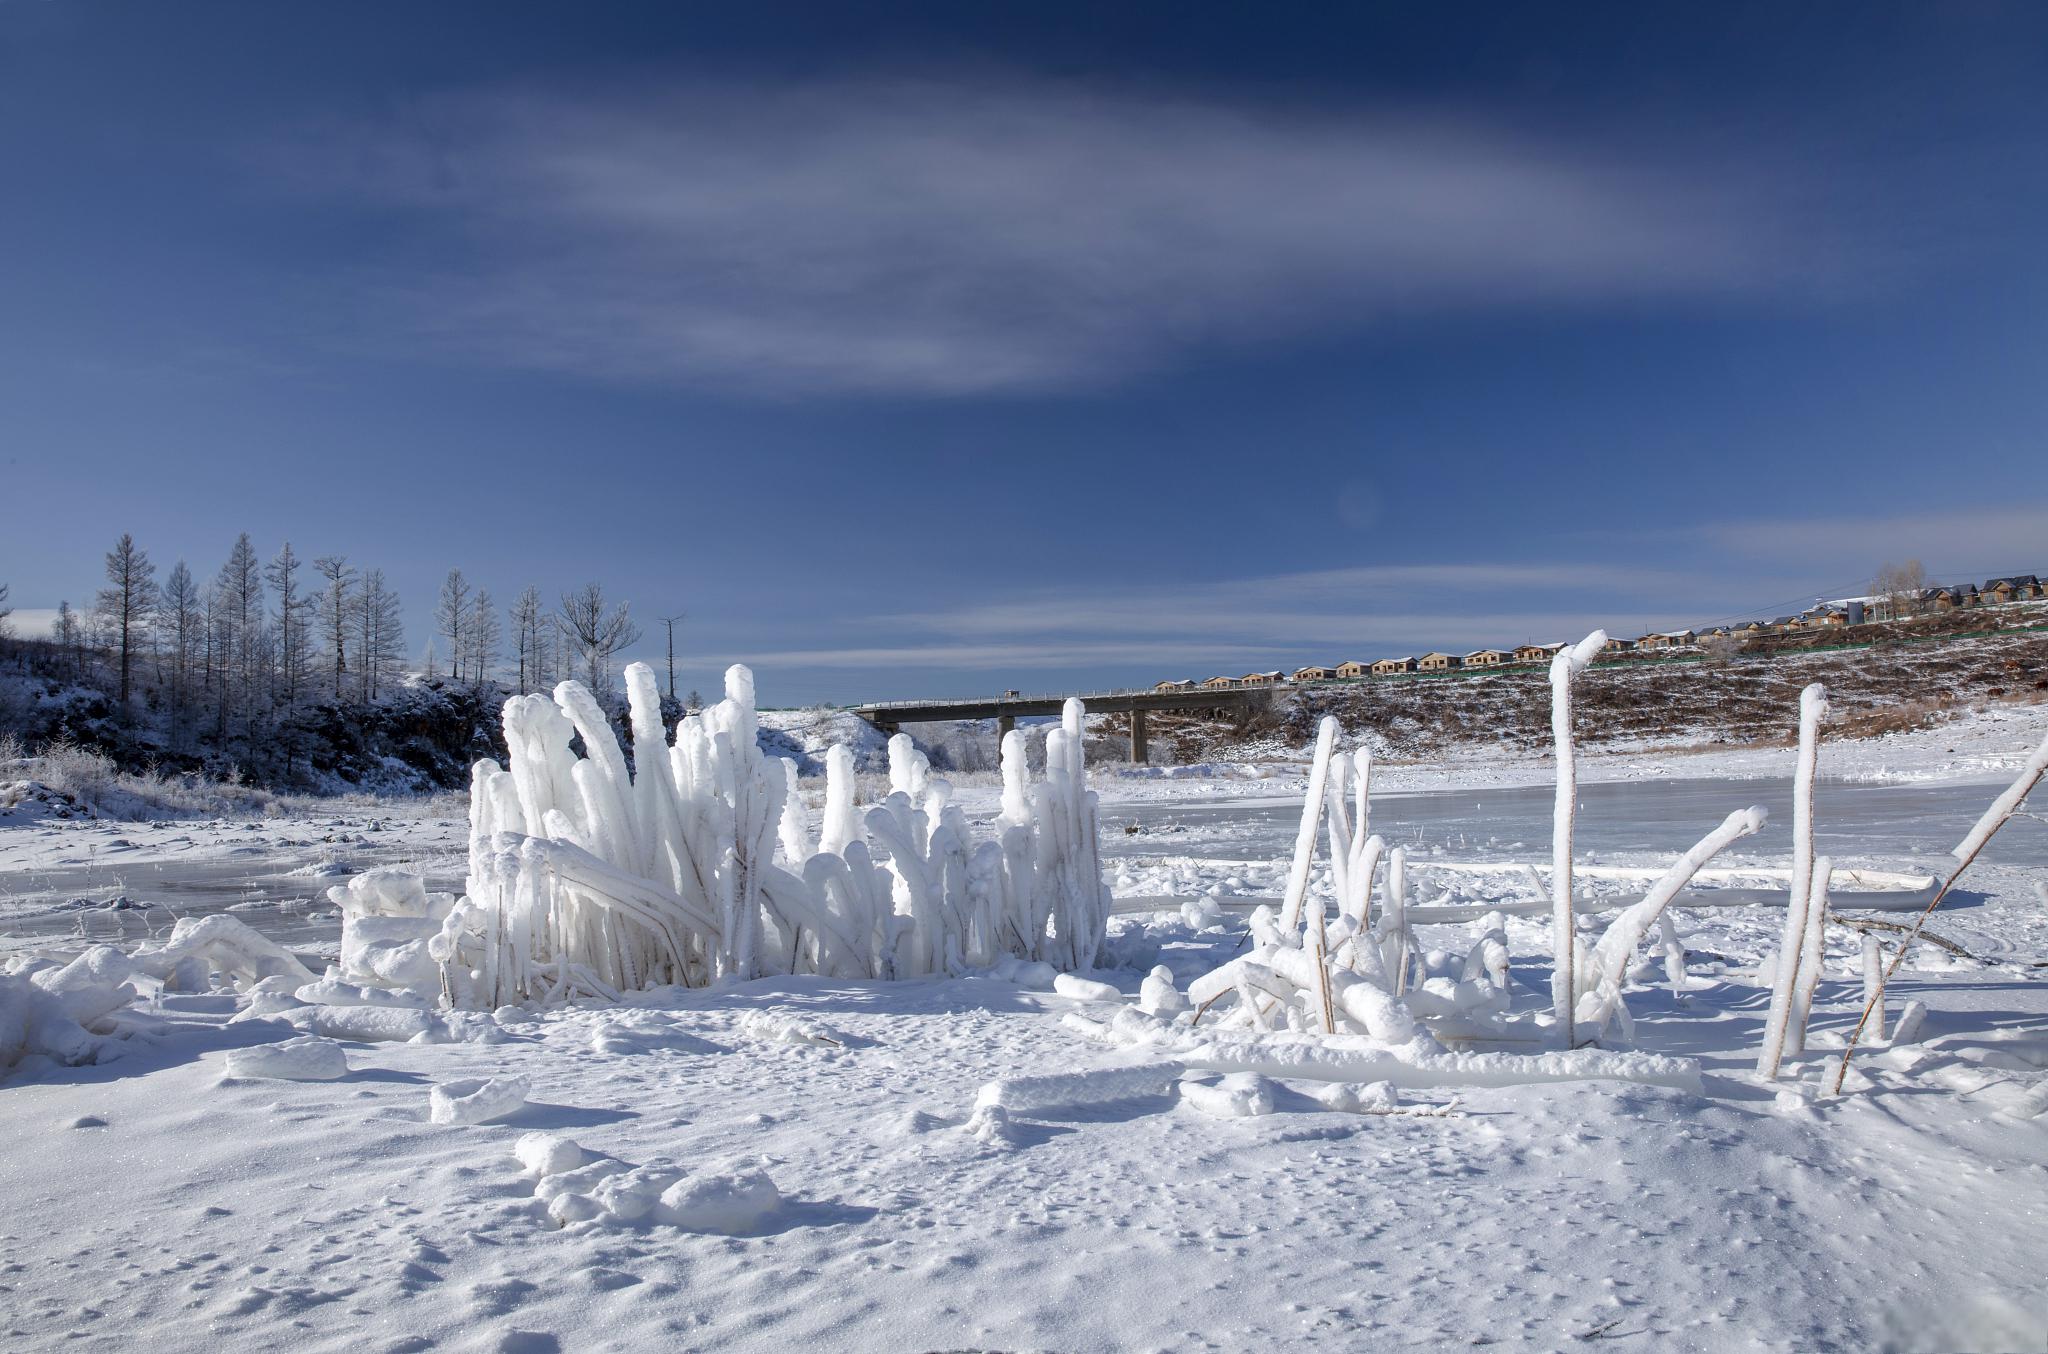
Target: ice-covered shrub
x,y
697,864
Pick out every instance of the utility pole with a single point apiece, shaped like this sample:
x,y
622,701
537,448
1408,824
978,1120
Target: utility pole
x,y
670,622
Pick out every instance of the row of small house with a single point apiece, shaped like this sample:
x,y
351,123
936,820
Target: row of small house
x,y
1828,616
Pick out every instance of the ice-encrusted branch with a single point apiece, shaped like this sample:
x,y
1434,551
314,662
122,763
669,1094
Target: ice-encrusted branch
x,y
1611,957
1780,1030
2001,809
1564,670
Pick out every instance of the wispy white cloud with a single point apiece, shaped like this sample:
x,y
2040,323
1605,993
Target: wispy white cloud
x,y
945,238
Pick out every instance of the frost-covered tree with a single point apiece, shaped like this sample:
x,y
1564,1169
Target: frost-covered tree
x,y
451,619
180,627
6,629
292,647
237,623
597,630
336,606
532,639
125,604
380,636
484,637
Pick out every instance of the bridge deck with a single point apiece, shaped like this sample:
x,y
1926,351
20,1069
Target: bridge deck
x,y
1099,702
888,716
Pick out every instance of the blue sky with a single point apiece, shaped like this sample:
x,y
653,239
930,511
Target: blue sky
x,y
941,349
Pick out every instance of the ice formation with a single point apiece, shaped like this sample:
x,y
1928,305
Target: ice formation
x,y
63,1011
1564,670
586,878
1799,950
1346,998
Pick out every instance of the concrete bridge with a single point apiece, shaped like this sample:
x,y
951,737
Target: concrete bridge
x,y
1005,710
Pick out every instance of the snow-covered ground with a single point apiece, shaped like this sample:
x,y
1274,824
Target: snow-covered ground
x,y
156,1197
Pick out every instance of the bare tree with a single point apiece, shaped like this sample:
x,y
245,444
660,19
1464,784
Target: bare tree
x,y
451,618
126,602
598,631
5,611
1898,588
69,636
532,635
237,618
292,648
337,602
485,634
671,622
181,625
380,641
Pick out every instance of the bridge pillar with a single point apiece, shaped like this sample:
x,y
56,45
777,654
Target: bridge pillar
x,y
1137,737
1004,723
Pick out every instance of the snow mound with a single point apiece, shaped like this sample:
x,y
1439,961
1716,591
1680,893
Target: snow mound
x,y
732,1202
779,1027
476,1100
333,990
1084,989
991,1124
1158,996
306,1058
1241,1095
544,1154
1348,1097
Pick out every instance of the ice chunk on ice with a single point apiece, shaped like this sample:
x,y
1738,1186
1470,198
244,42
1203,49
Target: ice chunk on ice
x,y
90,987
367,1024
387,891
305,1058
1057,1090
220,943
733,1201
390,950
476,1100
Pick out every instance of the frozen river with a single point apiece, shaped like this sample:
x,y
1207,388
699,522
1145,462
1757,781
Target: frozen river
x,y
269,880
1858,822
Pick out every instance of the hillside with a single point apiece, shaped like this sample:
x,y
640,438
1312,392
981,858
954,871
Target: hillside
x,y
1742,697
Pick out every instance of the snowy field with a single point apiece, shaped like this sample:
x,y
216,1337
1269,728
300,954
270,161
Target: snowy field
x,y
812,1160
